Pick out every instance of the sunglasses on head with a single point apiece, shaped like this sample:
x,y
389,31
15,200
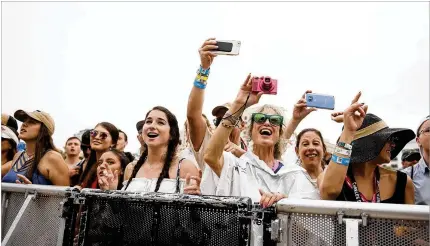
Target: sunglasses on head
x,y
260,118
102,135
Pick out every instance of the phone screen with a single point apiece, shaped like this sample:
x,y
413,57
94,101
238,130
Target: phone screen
x,y
224,46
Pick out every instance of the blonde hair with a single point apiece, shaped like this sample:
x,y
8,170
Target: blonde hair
x,y
281,145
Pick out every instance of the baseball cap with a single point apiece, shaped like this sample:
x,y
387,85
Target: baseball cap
x,y
411,154
139,125
220,110
8,133
7,120
422,122
38,115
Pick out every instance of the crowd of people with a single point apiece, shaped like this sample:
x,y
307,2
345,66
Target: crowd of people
x,y
233,156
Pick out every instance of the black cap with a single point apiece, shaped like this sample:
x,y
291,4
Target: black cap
x,y
411,155
86,138
139,125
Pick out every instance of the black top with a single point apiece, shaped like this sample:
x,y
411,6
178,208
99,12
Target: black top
x,y
347,194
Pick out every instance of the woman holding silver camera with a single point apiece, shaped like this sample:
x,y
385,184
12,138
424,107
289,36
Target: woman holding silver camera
x,y
258,174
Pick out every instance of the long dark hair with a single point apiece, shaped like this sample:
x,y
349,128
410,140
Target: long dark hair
x,y
171,148
90,172
319,135
44,143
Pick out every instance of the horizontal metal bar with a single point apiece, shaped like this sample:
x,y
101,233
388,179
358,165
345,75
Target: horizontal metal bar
x,y
31,188
355,209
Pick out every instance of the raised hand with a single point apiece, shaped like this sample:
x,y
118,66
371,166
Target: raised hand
x,y
193,188
106,178
24,179
301,110
337,117
206,56
268,198
245,91
354,115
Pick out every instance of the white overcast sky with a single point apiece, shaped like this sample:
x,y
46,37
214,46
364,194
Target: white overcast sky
x,y
90,62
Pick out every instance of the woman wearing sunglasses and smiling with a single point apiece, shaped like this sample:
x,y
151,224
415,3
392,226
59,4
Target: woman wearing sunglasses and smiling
x,y
102,138
258,174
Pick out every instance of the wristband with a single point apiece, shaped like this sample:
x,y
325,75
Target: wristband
x,y
201,77
342,151
340,160
199,85
344,145
204,72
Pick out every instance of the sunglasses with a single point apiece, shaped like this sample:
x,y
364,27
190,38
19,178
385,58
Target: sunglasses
x,y
260,118
102,135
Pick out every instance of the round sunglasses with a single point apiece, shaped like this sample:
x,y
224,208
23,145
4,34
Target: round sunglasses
x,y
94,133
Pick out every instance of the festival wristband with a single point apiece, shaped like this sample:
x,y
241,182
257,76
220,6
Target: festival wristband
x,y
340,160
344,145
204,72
201,77
342,151
199,85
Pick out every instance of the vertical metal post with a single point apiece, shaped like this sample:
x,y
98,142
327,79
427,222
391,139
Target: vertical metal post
x,y
4,205
17,219
352,237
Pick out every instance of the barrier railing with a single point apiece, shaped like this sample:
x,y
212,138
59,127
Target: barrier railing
x,y
47,215
309,222
31,214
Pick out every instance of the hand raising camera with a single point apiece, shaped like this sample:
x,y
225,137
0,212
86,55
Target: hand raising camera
x,y
206,56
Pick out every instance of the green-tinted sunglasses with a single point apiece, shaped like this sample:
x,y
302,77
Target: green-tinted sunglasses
x,y
260,118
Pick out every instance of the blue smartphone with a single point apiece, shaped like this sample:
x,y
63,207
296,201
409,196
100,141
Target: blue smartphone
x,y
319,101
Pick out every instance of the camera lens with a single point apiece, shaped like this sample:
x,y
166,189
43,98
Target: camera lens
x,y
267,79
310,98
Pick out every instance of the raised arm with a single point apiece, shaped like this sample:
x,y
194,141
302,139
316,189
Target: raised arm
x,y
214,152
300,111
331,180
196,122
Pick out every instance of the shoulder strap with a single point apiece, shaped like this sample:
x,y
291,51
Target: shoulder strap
x,y
412,172
177,175
402,178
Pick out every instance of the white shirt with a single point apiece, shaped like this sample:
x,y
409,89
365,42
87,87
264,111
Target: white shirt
x,y
244,176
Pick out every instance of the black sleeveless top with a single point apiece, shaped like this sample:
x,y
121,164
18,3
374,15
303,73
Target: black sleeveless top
x,y
347,194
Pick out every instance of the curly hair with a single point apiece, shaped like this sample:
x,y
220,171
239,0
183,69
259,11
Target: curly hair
x,y
281,145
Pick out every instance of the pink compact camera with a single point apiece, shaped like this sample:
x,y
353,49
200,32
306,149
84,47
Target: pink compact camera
x,y
266,85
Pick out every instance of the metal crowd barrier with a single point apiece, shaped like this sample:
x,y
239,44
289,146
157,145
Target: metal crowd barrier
x,y
32,214
48,215
309,222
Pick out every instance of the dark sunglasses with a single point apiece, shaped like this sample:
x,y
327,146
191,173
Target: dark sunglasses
x,y
260,118
94,134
